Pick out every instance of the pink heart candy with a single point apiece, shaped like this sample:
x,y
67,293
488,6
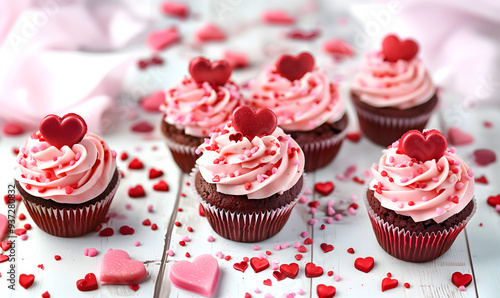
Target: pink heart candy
x,y
153,102
118,268
210,32
159,40
458,137
200,276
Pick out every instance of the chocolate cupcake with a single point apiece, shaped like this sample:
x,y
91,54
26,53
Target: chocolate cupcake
x,y
307,105
200,103
249,177
421,197
66,176
393,92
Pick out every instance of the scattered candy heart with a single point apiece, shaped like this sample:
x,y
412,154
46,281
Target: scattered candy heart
x,y
5,245
294,68
4,258
89,283
236,59
135,164
424,146
153,102
176,9
161,186
458,137
459,279
290,270
277,17
154,173
200,276
482,180
324,291
12,129
241,266
210,32
303,34
326,247
338,47
107,232
388,283
313,271
252,124
136,192
484,157
259,264
68,130
134,287
493,200
142,127
364,264
394,49
26,280
278,275
4,227
268,282
324,188
126,230
216,73
159,40
118,268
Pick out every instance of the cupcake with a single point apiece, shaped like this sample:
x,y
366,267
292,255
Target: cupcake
x,y
393,92
249,177
306,104
420,198
66,176
197,105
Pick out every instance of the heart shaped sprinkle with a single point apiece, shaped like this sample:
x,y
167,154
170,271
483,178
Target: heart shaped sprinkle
x,y
241,266
236,137
161,186
216,73
277,17
461,280
134,287
424,146
388,283
154,173
89,283
135,164
259,264
251,124
278,275
294,68
26,280
68,130
484,157
268,282
107,232
126,230
364,264
324,188
200,276
493,201
324,291
394,49
118,268
313,271
326,247
136,192
290,270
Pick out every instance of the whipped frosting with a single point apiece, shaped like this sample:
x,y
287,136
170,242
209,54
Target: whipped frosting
x,y
257,168
199,108
301,105
402,84
70,175
434,189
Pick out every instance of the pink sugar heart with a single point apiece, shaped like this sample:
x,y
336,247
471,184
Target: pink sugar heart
x,y
153,102
118,268
175,9
458,137
4,226
339,47
159,40
277,17
210,32
200,276
235,59
484,157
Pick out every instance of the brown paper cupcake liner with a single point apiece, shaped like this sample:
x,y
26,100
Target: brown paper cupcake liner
x,y
320,153
70,222
411,246
185,156
246,227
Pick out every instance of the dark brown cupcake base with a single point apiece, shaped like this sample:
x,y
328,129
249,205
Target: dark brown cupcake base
x,y
182,146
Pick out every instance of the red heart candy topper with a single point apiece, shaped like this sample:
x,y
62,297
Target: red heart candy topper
x,y
395,49
216,73
252,124
294,68
68,130
424,146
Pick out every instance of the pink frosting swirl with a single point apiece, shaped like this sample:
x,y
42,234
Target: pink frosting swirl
x,y
435,189
258,168
301,105
70,175
402,84
198,108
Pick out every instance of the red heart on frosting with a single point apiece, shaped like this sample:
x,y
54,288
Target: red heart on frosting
x,y
313,271
325,291
26,280
395,49
259,264
388,284
324,188
294,68
252,124
364,264
216,73
459,279
290,270
423,146
68,130
89,283
241,266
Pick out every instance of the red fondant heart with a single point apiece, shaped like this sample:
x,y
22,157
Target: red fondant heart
x,y
324,188
107,232
161,186
313,204
350,250
278,275
26,280
484,157
126,230
294,68
241,266
135,164
388,284
252,124
154,173
259,264
268,282
423,146
394,49
482,180
326,247
325,291
46,294
89,283
5,245
313,271
290,270
4,258
216,73
308,241
494,200
136,192
459,279
364,264
68,130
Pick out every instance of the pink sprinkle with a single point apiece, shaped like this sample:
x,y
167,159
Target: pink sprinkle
x,y
128,207
313,221
336,278
274,266
354,198
308,191
24,237
296,244
54,158
330,203
459,186
425,199
219,254
60,166
312,210
400,205
434,179
277,247
391,159
262,255
274,170
340,177
404,180
330,211
296,162
268,296
352,211
210,238
394,200
461,288
447,206
303,200
90,252
338,217
137,243
453,150
23,162
367,173
304,234
186,239
150,208
470,172
256,247
260,178
328,220
284,245
256,290
170,252
439,210
198,151
300,291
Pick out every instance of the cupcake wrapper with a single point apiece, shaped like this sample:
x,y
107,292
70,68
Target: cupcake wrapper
x,y
184,156
320,153
414,247
385,130
246,227
64,222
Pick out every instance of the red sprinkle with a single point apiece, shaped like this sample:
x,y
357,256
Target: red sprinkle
x,y
22,216
179,209
189,229
107,232
227,258
154,227
302,249
177,224
389,274
188,255
298,257
124,156
322,227
357,180
407,285
350,250
20,231
146,222
135,164
329,273
182,243
27,226
354,206
57,257
40,266
268,253
308,241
